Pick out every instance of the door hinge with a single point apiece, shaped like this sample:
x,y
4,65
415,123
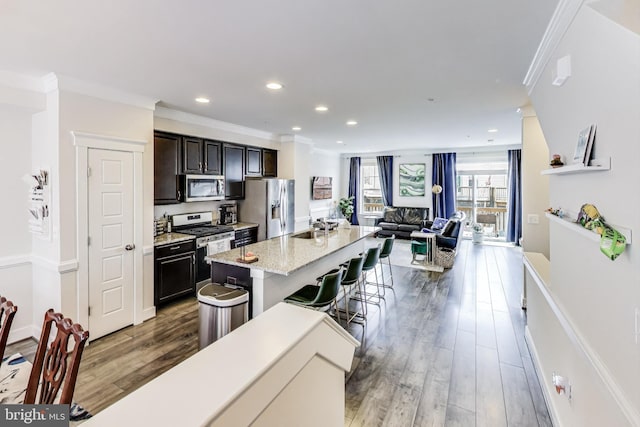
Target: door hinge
x,y
88,172
89,311
88,241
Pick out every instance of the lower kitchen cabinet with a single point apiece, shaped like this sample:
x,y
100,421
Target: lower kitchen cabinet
x,y
175,271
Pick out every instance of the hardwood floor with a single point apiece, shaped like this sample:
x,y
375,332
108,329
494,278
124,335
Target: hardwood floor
x,y
444,349
448,349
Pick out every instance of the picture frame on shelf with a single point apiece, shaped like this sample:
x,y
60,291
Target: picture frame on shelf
x,y
582,153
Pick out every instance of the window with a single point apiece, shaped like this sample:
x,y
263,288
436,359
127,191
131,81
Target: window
x,y
370,193
482,191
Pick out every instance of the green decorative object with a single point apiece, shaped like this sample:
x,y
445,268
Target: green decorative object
x,y
346,207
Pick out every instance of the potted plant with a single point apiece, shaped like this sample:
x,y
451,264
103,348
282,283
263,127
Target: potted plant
x,y
478,232
345,204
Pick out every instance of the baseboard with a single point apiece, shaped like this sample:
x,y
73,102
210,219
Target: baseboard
x,y
148,313
19,334
535,359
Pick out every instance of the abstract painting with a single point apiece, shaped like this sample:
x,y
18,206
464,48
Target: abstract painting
x,y
411,179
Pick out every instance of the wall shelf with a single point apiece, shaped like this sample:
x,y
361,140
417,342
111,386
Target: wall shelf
x,y
595,165
574,226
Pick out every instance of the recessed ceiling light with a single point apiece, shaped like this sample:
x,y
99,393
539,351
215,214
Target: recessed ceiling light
x,y
492,130
489,140
431,99
352,123
202,100
296,128
274,86
322,108
339,142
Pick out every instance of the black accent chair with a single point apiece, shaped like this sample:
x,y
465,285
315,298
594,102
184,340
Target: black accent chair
x,y
449,236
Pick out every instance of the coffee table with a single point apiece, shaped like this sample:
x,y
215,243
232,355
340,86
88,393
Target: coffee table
x,y
429,261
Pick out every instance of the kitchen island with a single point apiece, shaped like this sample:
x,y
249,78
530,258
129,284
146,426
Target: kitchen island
x,y
289,262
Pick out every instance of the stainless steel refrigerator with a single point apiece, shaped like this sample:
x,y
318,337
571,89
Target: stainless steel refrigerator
x,y
269,203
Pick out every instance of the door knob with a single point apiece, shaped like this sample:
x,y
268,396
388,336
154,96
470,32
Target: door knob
x,y
130,247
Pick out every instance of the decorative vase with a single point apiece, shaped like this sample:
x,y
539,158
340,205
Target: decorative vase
x,y
478,236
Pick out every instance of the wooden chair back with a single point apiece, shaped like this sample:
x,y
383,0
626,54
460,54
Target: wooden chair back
x,y
7,312
55,367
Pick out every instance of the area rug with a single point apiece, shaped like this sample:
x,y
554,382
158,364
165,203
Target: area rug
x,y
14,376
401,253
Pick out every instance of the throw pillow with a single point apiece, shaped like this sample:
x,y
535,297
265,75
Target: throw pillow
x,y
439,223
449,227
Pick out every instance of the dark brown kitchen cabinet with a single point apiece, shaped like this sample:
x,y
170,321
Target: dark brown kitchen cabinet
x,y
254,162
175,271
269,162
212,154
233,158
166,163
200,156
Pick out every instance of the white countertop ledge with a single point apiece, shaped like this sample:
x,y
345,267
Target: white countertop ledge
x,y
199,390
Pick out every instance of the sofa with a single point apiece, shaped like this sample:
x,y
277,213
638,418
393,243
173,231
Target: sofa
x,y
401,221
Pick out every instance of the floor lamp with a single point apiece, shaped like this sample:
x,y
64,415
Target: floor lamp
x,y
436,189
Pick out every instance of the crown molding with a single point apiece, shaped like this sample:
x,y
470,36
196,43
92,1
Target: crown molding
x,y
56,81
295,139
560,22
21,81
194,119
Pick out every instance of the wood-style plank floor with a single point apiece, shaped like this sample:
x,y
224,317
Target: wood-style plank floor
x,y
444,350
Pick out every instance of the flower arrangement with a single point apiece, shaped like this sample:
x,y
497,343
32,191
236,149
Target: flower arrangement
x,y
478,228
346,206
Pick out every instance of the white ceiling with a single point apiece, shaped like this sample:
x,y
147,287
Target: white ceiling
x,y
378,62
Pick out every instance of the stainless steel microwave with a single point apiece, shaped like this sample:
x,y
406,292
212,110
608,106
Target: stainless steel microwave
x,y
201,188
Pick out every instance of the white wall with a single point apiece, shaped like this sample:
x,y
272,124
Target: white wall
x,y
83,113
535,187
420,201
15,246
599,296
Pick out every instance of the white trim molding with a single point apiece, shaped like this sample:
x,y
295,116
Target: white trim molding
x,y
104,142
147,250
103,92
83,142
560,22
296,138
14,261
181,116
51,265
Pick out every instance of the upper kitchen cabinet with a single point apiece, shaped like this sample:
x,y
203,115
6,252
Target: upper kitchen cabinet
x,y
212,153
166,161
233,159
269,162
254,162
201,156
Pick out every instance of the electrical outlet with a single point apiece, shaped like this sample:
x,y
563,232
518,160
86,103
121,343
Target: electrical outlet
x,y
533,219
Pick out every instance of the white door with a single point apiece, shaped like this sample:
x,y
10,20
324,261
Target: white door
x,y
111,249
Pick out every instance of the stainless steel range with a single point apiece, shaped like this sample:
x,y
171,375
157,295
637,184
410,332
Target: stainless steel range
x,y
210,239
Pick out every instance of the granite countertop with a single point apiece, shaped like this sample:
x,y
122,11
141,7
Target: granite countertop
x,y
243,225
170,238
286,254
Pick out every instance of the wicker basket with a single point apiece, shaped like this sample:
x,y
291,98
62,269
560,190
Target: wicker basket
x,y
445,257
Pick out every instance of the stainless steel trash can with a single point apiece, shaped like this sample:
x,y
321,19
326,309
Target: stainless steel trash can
x,y
221,310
